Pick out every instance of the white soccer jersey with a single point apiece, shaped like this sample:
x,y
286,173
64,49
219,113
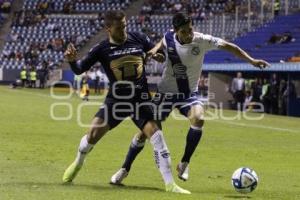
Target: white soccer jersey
x,y
184,72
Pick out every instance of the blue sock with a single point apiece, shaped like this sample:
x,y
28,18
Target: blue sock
x,y
134,149
192,139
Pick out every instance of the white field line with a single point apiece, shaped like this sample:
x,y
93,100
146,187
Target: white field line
x,y
256,126
27,92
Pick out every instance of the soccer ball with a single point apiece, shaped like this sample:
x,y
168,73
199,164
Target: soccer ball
x,y
244,180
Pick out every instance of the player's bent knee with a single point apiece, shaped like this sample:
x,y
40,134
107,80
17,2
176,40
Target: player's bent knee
x,y
150,128
196,116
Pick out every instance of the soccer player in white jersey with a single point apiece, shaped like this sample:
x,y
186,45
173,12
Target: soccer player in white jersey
x,y
185,50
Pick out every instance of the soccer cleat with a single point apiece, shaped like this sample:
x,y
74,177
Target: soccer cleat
x,y
183,171
172,187
118,177
71,172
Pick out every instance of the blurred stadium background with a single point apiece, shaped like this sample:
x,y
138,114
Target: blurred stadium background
x,y
35,33
35,149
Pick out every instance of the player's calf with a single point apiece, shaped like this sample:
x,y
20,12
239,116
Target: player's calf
x,y
193,138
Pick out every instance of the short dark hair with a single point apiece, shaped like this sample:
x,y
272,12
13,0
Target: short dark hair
x,y
113,15
180,19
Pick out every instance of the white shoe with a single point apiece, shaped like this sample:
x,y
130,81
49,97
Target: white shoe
x,y
183,171
118,177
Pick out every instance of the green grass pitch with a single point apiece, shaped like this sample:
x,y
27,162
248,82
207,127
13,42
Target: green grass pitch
x,y
35,150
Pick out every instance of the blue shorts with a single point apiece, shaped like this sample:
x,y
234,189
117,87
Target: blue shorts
x,y
167,102
138,108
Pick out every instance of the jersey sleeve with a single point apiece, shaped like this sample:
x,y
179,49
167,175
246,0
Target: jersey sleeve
x,y
147,43
209,42
167,34
83,65
164,41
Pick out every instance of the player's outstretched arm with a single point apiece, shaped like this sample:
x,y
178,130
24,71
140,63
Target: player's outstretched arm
x,y
237,51
79,67
155,54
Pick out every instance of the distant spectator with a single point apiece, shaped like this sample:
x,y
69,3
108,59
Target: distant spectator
x,y
79,40
256,87
274,94
6,53
248,101
146,9
42,7
43,74
85,89
13,37
265,96
230,6
147,19
177,7
67,7
32,77
141,20
288,94
275,38
281,106
23,76
287,37
238,90
76,83
12,55
276,7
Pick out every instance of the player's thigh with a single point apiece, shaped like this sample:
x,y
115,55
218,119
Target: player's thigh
x,y
113,111
144,119
194,111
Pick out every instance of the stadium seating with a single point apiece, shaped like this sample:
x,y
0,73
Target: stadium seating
x,y
255,42
77,6
168,7
55,27
161,23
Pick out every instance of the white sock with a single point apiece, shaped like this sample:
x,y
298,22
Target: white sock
x,y
83,150
162,156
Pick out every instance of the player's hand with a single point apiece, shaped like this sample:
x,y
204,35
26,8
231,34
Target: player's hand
x,y
261,64
71,53
150,54
159,57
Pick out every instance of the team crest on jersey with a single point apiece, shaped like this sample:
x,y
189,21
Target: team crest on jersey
x,y
196,51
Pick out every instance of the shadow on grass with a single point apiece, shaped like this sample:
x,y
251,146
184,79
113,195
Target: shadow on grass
x,y
96,186
237,197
